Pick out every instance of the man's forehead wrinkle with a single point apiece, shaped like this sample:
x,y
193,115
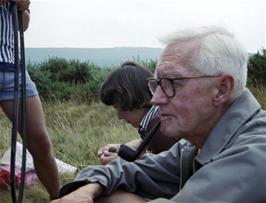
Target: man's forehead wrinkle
x,y
173,58
179,57
166,69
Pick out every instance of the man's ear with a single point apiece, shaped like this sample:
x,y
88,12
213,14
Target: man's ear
x,y
225,88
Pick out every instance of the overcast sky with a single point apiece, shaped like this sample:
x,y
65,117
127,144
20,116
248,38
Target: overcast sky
x,y
138,23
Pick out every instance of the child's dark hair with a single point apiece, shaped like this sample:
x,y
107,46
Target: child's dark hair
x,y
126,87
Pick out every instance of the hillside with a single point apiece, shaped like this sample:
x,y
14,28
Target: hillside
x,y
100,56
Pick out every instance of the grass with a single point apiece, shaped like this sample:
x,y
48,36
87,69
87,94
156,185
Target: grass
x,y
77,131
260,93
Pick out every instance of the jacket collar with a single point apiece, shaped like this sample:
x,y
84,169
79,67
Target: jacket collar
x,y
238,113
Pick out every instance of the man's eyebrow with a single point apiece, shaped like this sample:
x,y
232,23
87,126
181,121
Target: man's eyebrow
x,y
169,75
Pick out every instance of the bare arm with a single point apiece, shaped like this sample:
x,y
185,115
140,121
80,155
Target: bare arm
x,y
84,194
23,6
25,19
134,143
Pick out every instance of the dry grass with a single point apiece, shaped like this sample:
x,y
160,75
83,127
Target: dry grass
x,y
76,131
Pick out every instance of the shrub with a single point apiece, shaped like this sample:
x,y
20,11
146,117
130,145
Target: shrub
x,y
257,69
60,79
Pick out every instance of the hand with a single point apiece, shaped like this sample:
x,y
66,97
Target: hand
x,y
108,153
110,147
23,5
107,157
84,194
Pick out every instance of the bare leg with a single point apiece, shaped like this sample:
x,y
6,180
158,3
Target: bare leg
x,y
39,144
122,197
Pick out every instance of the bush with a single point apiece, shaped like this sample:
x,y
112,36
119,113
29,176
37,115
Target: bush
x,y
257,69
59,79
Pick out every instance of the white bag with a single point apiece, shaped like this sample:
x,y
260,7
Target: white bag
x,y
62,166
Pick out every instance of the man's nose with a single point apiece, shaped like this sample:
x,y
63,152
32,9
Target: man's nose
x,y
158,97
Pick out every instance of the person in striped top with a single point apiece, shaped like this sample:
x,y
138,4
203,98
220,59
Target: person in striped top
x,y
127,91
39,144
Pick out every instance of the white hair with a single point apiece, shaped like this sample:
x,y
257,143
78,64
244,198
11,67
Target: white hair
x,y
219,52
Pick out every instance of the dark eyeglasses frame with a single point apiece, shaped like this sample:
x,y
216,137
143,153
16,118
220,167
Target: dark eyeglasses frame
x,y
172,82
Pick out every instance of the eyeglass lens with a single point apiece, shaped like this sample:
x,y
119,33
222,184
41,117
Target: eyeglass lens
x,y
166,85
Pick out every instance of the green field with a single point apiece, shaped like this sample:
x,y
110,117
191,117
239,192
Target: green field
x,y
77,131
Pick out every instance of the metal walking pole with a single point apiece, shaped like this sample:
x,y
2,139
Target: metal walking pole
x,y
23,108
15,104
19,67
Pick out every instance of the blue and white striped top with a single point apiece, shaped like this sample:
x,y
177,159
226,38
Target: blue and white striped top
x,y
6,35
153,112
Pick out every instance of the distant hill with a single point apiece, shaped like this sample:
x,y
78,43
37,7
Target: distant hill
x,y
104,57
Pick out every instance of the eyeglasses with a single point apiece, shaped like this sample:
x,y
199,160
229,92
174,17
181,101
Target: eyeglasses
x,y
168,86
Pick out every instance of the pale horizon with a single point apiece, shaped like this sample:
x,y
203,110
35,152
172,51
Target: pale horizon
x,y
138,23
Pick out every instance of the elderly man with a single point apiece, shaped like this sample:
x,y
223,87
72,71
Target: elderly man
x,y
199,86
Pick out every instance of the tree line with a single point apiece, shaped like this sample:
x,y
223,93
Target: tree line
x,y
64,80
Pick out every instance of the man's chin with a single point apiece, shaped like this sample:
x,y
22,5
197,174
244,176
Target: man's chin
x,y
166,131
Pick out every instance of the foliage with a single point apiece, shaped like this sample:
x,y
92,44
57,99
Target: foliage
x,y
59,79
149,64
257,68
